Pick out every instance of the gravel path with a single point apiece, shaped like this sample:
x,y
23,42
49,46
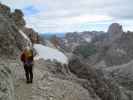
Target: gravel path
x,y
47,87
24,91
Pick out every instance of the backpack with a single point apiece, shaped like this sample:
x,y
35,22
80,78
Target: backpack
x,y
29,57
29,53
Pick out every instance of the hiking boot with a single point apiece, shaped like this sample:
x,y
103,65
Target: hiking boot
x,y
27,81
30,81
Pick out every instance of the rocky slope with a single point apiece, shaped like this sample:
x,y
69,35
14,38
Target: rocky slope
x,y
112,48
6,81
75,81
33,35
74,39
10,39
115,49
12,43
51,82
100,82
111,65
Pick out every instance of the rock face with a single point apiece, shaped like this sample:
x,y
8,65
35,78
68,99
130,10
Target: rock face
x,y
11,43
10,39
74,39
112,48
111,71
115,31
5,10
122,74
115,28
101,85
120,51
7,79
17,16
116,52
34,36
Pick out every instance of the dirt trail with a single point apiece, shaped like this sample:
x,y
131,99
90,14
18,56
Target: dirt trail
x,y
47,86
23,91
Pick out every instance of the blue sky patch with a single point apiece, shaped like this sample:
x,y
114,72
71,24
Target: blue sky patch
x,y
30,10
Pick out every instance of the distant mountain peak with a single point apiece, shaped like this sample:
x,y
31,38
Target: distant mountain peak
x,y
115,28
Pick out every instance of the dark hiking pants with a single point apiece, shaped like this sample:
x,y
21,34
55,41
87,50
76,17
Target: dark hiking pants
x,y
29,72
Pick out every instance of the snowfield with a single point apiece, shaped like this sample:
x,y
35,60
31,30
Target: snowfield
x,y
45,52
50,53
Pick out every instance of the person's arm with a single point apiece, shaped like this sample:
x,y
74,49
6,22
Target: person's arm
x,y
22,57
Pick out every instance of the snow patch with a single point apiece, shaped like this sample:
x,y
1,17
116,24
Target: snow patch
x,y
46,53
88,39
25,36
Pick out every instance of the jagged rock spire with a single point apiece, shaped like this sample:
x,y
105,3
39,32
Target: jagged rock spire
x,y
115,28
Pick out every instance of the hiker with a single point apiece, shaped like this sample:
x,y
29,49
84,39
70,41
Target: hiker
x,y
27,59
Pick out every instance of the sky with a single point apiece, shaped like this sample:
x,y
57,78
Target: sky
x,y
50,16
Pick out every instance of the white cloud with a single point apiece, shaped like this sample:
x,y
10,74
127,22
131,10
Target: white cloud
x,y
70,15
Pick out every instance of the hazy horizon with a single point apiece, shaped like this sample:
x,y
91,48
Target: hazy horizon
x,y
72,16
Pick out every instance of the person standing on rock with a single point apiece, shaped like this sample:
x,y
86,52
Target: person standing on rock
x,y
27,59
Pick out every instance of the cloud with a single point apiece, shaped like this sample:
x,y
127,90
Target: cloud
x,y
73,15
